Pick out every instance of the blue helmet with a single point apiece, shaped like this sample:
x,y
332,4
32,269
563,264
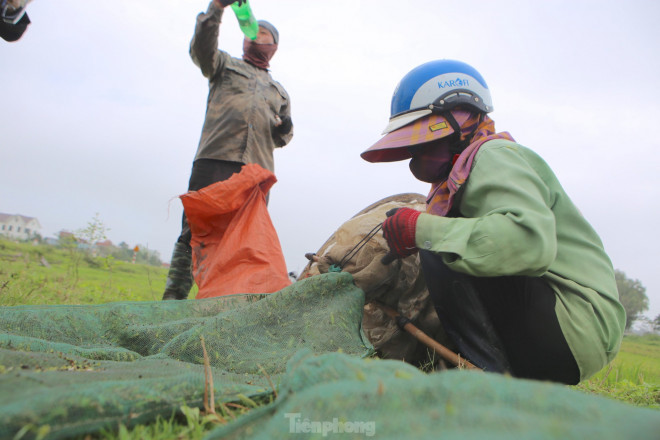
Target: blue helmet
x,y
437,86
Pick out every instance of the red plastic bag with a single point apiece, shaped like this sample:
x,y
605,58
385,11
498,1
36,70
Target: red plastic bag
x,y
235,246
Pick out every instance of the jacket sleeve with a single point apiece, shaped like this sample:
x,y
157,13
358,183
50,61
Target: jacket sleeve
x,y
204,45
283,134
508,226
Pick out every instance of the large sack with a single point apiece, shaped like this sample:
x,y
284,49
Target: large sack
x,y
399,285
235,246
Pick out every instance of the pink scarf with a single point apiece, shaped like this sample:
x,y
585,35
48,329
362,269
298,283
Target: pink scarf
x,y
441,197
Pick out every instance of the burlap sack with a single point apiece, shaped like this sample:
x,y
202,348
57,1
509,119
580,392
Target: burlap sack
x,y
399,285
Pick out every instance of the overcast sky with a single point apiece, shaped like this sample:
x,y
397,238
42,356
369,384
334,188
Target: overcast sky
x,y
103,108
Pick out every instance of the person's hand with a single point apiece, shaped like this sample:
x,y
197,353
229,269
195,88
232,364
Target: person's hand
x,y
283,125
399,232
13,5
225,3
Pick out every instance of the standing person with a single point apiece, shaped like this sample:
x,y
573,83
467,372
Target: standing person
x,y
518,277
14,20
248,115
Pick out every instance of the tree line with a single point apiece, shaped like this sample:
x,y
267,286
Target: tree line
x,y
632,295
91,240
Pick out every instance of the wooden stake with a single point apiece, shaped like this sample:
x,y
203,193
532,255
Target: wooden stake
x,y
443,351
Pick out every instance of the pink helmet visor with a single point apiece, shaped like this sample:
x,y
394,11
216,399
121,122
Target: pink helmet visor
x,y
394,146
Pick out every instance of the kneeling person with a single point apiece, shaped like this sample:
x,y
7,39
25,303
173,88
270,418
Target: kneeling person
x,y
518,277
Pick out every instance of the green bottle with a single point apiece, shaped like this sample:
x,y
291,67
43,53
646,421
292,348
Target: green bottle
x,y
246,20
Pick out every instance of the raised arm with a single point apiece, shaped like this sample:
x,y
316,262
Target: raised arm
x,y
204,45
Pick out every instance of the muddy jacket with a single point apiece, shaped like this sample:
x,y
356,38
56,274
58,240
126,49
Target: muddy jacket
x,y
516,219
244,102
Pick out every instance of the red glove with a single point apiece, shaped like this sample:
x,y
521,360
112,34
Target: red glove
x,y
399,231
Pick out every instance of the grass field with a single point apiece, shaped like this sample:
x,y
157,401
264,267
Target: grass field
x,y
31,275
50,275
639,359
633,376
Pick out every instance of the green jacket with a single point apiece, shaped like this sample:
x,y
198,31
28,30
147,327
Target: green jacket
x,y
517,220
243,104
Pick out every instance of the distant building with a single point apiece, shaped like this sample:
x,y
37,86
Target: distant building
x,y
18,226
51,241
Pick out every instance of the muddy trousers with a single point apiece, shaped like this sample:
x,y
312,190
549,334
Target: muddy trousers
x,y
180,277
501,324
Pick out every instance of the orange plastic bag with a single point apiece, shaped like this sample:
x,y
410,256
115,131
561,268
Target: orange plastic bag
x,y
235,246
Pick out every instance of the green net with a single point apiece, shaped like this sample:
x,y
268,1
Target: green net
x,y
82,368
79,369
338,396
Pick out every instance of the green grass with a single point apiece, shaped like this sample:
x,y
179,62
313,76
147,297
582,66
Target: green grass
x,y
634,375
189,424
75,278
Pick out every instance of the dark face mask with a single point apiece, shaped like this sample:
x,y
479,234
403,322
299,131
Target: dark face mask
x,y
431,162
258,55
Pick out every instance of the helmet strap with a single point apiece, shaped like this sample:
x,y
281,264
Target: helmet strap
x,y
458,145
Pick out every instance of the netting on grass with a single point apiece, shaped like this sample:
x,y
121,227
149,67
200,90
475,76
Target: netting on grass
x,y
82,368
338,396
79,369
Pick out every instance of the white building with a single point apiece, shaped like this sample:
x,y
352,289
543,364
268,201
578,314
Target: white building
x,y
18,226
